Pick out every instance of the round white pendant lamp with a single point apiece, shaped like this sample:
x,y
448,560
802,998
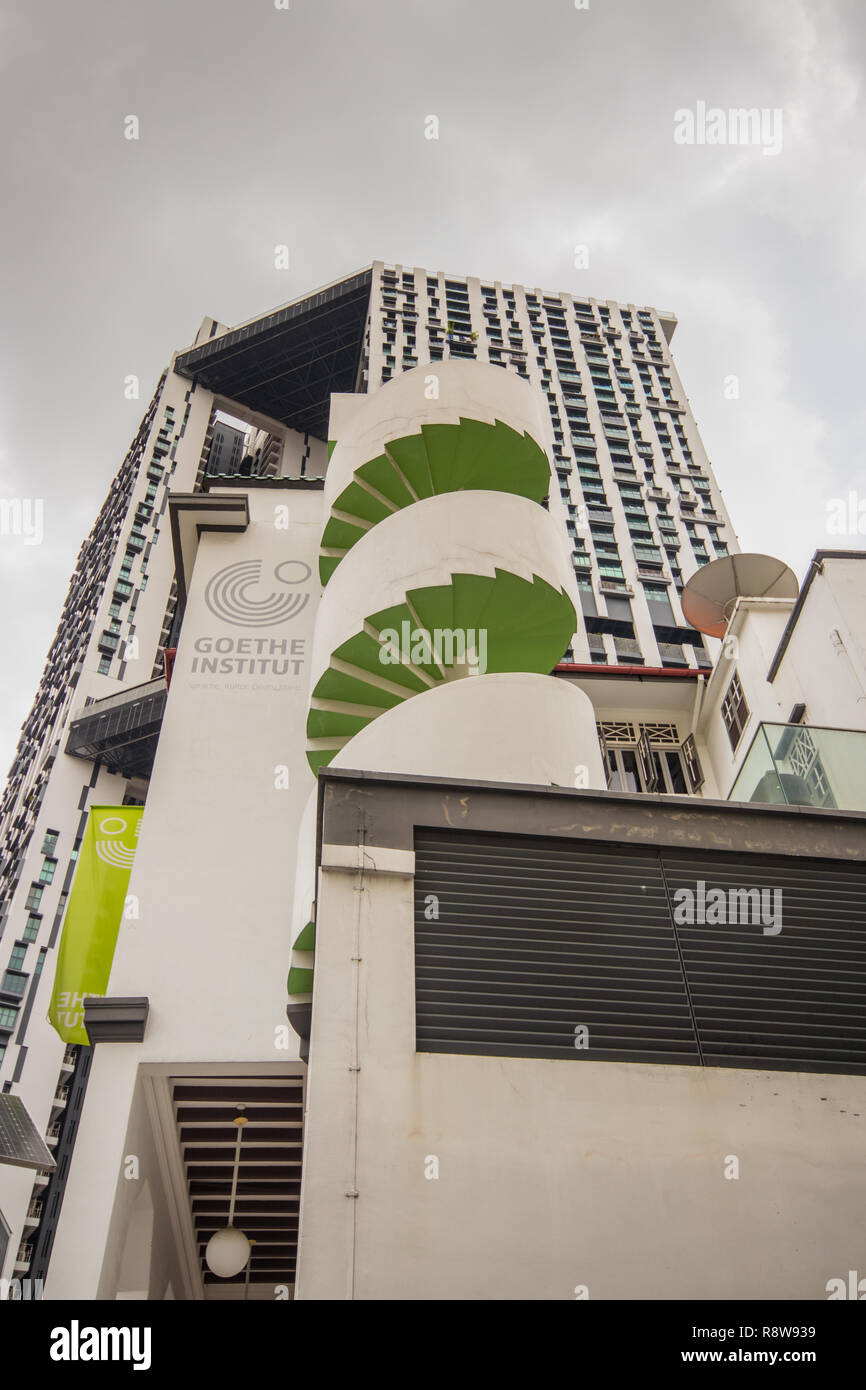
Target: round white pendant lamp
x,y
228,1250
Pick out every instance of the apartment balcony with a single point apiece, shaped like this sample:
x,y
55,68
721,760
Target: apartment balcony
x,y
798,765
628,649
672,654
23,1257
69,1059
61,1096
53,1133
34,1212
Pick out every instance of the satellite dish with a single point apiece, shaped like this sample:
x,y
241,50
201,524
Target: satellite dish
x,y
710,596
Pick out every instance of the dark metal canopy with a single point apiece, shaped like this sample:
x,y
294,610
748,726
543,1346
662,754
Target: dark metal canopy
x,y
122,731
287,364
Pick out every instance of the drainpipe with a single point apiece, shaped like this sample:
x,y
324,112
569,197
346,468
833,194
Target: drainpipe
x,y
698,702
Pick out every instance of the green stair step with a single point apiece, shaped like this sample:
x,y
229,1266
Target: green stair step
x,y
327,565
443,442
434,606
327,723
364,651
471,595
380,474
339,535
357,501
473,454
336,685
306,938
410,456
393,619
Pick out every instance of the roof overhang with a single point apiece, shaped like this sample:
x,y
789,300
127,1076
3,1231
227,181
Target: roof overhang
x,y
190,515
662,689
286,364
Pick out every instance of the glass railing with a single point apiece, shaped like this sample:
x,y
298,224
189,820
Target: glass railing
x,y
798,765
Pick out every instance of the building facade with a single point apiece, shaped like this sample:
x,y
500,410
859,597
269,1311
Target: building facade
x,y
401,674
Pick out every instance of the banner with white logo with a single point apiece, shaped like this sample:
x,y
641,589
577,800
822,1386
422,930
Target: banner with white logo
x,y
93,915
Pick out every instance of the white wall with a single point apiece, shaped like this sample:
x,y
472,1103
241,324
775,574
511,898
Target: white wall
x,y
832,682
214,875
552,1174
497,728
363,424
827,675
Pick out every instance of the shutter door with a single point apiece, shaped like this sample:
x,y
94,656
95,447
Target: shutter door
x,y
521,941
795,1000
535,938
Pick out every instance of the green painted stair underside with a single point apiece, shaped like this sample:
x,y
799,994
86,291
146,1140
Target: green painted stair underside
x,y
528,626
441,458
300,978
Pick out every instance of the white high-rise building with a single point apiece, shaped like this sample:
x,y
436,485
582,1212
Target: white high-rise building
x,y
383,624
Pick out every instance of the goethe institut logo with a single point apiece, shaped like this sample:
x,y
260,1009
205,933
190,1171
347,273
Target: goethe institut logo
x,y
244,596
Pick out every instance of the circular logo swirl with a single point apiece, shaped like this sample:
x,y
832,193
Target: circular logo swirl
x,y
228,594
113,851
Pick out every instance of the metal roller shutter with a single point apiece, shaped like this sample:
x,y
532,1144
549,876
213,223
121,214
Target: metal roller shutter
x,y
521,941
534,939
795,1000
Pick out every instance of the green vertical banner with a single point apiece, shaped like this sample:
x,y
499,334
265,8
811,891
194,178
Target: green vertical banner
x,y
93,916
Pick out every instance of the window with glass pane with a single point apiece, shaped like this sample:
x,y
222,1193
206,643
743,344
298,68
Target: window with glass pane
x,y
659,605
735,711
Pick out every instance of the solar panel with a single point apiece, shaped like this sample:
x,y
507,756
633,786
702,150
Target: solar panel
x,y
21,1144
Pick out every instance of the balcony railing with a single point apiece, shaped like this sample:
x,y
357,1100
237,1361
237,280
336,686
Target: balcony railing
x,y
798,765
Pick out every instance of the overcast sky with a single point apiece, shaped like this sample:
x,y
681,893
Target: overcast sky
x,y
306,126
